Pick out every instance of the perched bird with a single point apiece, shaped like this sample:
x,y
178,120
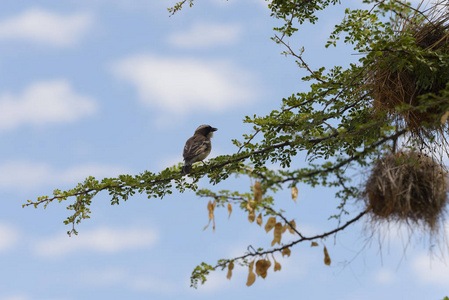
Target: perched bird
x,y
197,147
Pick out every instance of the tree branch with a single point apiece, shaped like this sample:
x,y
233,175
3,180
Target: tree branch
x,y
266,207
348,160
302,239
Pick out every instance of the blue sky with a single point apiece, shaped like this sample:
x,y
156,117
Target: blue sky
x,y
104,88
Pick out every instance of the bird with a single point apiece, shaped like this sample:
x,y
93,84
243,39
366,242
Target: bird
x,y
197,147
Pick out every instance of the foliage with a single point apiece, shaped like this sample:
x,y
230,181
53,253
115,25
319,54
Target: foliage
x,y
333,122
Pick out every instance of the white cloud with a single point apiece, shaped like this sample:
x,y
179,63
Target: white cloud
x,y
42,103
18,174
26,175
203,35
385,276
183,85
124,278
262,3
100,240
16,297
289,267
22,296
8,237
151,284
104,277
435,272
96,170
45,27
156,8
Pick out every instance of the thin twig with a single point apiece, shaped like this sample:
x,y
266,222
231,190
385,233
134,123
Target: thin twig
x,y
320,236
300,58
266,207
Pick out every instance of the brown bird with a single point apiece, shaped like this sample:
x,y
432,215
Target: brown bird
x,y
197,147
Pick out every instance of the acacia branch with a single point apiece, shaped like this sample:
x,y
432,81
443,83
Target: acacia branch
x,y
348,160
46,200
280,114
64,196
280,40
266,207
302,239
204,170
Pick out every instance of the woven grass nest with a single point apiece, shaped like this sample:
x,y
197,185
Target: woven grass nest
x,y
391,88
409,188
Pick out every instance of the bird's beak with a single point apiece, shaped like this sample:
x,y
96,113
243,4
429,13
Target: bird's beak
x,y
213,129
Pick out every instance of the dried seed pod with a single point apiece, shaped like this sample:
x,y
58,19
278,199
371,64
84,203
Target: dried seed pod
x,y
230,268
251,216
286,251
251,276
258,192
277,234
294,193
277,266
327,259
262,266
292,228
259,219
270,224
211,208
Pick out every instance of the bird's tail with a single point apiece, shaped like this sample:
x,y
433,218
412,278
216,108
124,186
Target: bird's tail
x,y
186,169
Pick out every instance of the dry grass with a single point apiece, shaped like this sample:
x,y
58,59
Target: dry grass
x,y
409,188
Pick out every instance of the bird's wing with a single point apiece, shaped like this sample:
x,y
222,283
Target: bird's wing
x,y
196,145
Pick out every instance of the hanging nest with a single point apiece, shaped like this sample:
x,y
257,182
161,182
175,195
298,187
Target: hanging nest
x,y
398,78
409,188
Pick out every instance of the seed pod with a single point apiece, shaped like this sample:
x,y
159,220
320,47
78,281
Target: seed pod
x,y
259,220
251,276
262,267
270,224
251,216
294,193
292,228
286,251
277,234
327,259
230,268
258,192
